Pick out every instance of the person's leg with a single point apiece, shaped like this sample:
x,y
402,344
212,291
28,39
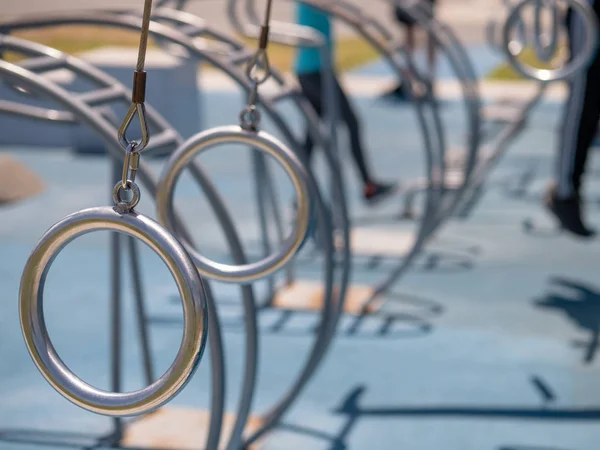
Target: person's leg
x,y
312,91
406,21
349,118
373,191
580,120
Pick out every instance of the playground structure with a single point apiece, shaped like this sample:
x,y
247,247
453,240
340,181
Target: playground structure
x,y
330,215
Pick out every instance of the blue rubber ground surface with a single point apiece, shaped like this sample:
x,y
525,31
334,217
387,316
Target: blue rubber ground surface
x,y
497,349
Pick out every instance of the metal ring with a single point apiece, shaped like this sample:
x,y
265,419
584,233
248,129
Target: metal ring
x,y
124,205
257,140
40,346
250,118
578,62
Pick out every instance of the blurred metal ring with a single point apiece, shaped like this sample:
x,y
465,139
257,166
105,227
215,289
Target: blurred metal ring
x,y
257,140
36,335
578,62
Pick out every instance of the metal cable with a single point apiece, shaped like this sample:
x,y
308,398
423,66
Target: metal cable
x,y
141,61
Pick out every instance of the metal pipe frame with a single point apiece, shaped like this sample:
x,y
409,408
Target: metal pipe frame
x,y
382,40
322,341
95,120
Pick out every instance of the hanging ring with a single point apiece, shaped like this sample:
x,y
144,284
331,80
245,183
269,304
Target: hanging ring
x,y
36,335
578,61
257,140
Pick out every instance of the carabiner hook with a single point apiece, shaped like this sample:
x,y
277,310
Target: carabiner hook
x,y
130,165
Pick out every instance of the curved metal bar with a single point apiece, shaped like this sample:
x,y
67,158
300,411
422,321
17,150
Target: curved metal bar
x,y
364,25
295,35
218,374
275,414
513,49
285,33
328,321
36,112
323,338
459,60
545,50
449,203
107,133
461,64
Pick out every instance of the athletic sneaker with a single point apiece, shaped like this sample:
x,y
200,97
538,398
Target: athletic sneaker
x,y
375,192
568,213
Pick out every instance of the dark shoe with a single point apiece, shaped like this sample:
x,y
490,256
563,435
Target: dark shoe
x,y
376,192
568,213
398,94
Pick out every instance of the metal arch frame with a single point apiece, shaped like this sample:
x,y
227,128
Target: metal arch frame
x,y
128,20
359,21
277,412
433,159
486,162
329,317
484,166
367,27
300,36
94,119
515,127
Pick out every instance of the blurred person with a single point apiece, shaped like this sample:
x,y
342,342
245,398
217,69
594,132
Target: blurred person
x,y
581,115
308,67
410,26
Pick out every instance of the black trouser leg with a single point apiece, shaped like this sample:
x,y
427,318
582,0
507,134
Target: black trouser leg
x,y
312,89
580,116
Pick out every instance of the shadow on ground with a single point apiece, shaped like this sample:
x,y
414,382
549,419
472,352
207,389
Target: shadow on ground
x,y
579,303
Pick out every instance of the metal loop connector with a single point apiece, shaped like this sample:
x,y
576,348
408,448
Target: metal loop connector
x,y
140,110
250,118
260,60
126,205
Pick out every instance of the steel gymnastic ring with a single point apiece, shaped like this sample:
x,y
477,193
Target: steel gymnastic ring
x,y
260,141
40,346
579,61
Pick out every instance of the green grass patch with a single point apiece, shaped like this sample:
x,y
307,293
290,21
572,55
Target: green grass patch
x,y
350,52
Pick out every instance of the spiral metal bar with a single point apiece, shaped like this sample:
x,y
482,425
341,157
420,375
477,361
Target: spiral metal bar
x,y
383,41
98,123
167,34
